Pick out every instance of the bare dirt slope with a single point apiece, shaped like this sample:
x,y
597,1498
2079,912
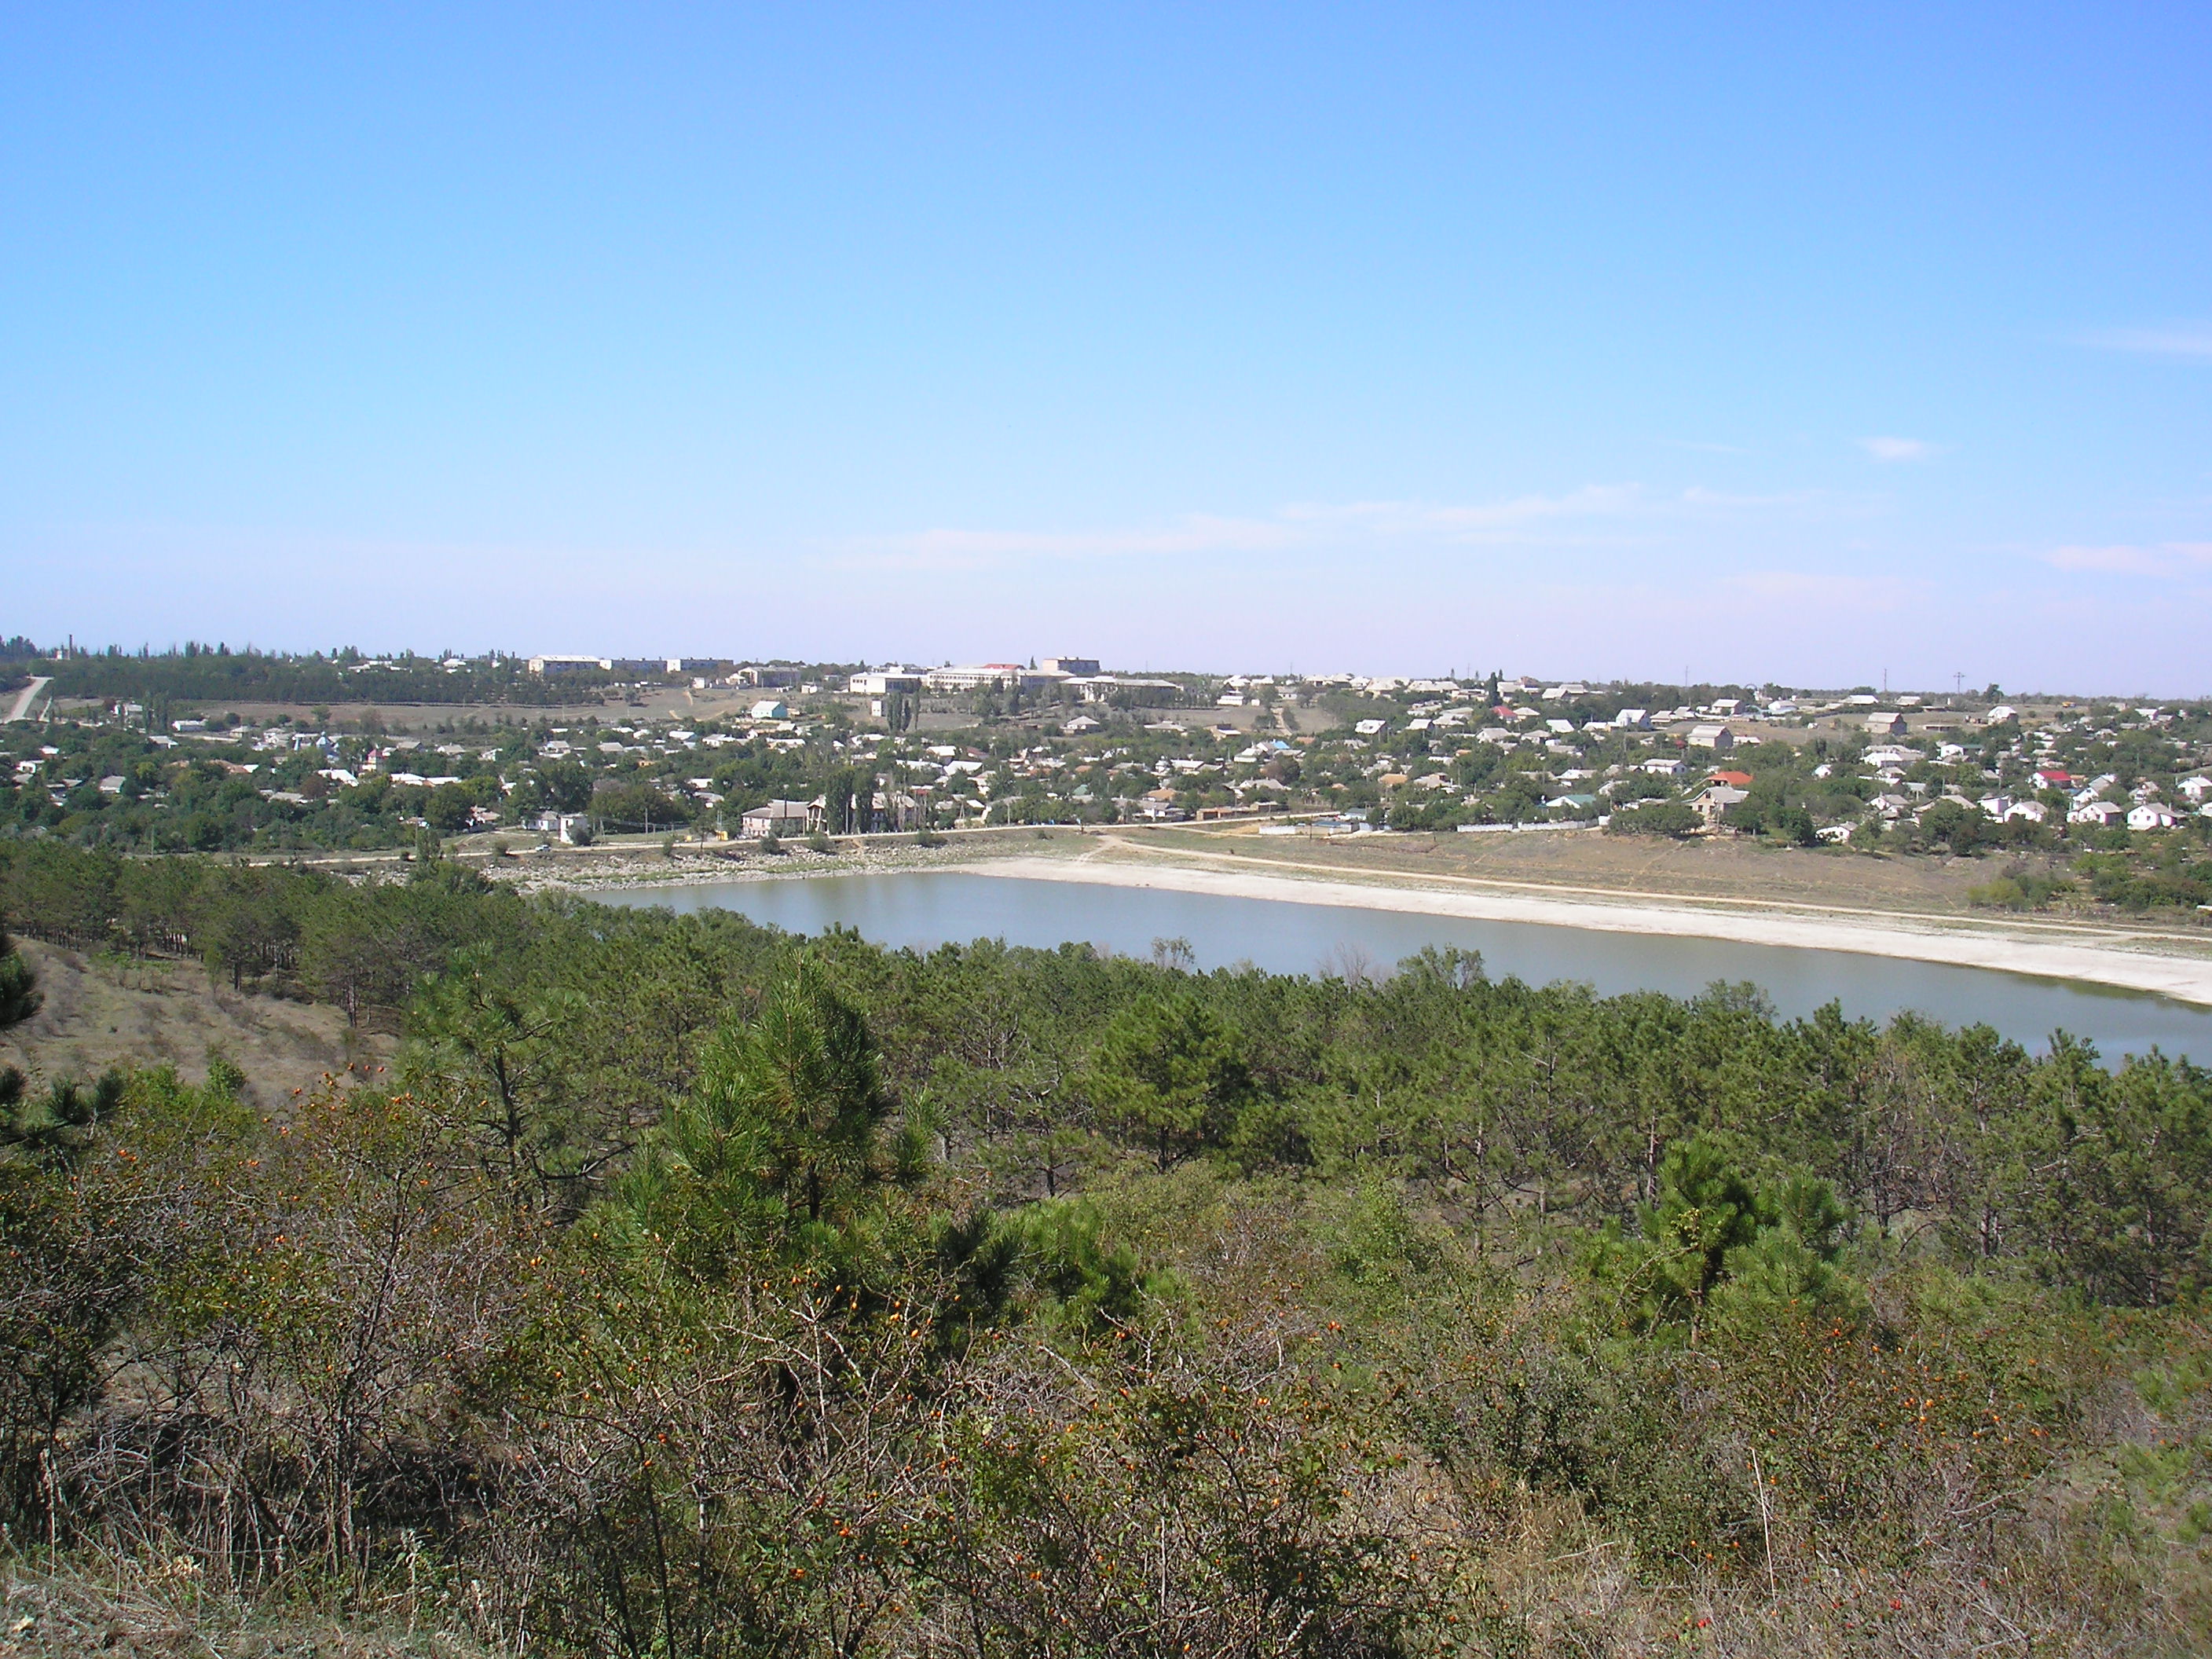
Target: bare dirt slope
x,y
100,1011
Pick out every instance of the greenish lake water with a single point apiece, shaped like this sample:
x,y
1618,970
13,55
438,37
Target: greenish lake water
x,y
925,909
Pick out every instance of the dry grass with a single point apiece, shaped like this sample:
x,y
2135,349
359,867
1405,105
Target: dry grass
x,y
146,1606
105,1010
1720,867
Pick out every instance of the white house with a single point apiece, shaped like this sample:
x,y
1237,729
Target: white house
x,y
2102,813
884,681
771,708
1886,724
568,826
1633,719
2032,810
776,817
2000,715
2195,789
2150,816
1716,736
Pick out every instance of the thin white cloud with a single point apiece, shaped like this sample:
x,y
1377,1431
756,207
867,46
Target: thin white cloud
x,y
1450,522
1829,592
978,549
2172,559
1898,449
2192,342
1596,514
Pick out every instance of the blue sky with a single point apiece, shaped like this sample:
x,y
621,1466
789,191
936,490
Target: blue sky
x,y
1804,343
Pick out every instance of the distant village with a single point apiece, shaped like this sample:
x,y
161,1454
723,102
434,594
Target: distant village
x,y
774,752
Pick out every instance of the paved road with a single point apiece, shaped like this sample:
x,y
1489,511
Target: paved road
x,y
30,695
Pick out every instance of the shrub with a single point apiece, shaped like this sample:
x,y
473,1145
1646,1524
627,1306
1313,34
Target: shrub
x,y
1668,817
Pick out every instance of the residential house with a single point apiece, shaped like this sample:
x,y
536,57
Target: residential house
x,y
777,818
1159,806
568,827
1713,801
1886,724
2149,816
1715,736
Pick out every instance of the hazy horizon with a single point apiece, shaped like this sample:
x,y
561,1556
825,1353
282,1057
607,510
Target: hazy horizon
x,y
1798,348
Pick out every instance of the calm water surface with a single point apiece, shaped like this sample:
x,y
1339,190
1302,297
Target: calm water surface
x,y
924,908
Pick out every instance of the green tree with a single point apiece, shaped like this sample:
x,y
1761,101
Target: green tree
x,y
1170,1070
499,1050
20,996
1667,817
567,785
785,1127
448,809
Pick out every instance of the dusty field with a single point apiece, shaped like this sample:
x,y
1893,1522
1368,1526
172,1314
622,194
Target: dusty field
x,y
102,1012
672,702
1724,868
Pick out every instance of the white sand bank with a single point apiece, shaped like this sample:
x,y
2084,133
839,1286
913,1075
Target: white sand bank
x,y
1964,945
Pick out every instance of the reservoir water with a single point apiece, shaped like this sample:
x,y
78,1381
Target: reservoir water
x,y
926,909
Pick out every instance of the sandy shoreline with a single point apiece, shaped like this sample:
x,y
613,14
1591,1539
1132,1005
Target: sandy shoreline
x,y
1964,945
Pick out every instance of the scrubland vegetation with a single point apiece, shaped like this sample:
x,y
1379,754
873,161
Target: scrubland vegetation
x,y
686,1288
